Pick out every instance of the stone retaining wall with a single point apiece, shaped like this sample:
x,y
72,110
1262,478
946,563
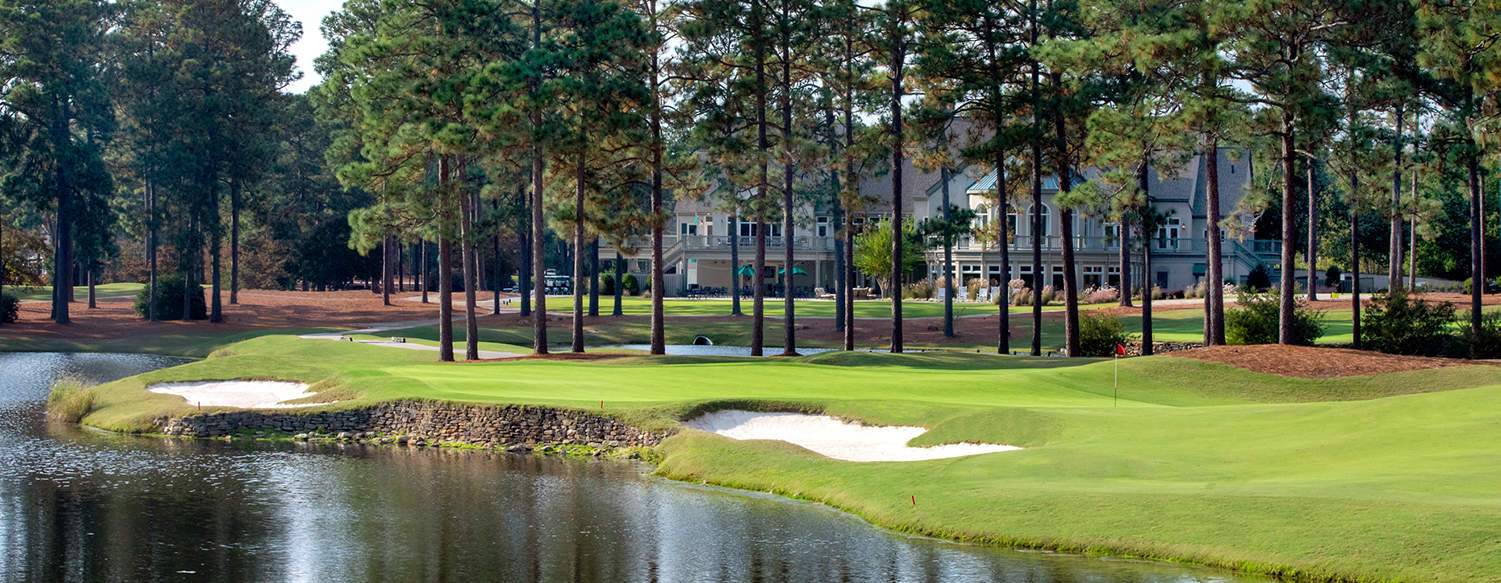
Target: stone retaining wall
x,y
1134,348
487,426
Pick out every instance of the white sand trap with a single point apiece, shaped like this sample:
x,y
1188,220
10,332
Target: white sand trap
x,y
242,394
834,438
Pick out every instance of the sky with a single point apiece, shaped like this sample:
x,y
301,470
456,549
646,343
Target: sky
x,y
312,44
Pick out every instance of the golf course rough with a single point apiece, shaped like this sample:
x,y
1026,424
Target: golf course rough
x,y
1384,477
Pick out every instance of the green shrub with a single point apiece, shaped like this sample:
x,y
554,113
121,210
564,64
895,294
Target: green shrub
x,y
1491,285
10,308
631,285
69,401
1254,320
169,289
1098,334
607,284
1260,278
1486,344
1402,323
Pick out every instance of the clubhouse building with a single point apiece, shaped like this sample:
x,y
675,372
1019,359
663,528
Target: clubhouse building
x,y
697,248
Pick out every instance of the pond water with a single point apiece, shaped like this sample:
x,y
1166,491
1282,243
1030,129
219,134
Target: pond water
x,y
78,505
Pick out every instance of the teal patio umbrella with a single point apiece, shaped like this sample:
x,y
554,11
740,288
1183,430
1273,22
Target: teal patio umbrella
x,y
746,270
795,271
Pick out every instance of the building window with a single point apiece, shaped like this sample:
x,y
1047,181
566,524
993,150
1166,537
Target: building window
x,y
1011,219
1094,276
1113,276
1046,220
1167,234
1058,278
1024,273
688,229
823,227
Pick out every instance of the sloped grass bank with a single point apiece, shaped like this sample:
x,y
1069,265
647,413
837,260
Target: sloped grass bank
x,y
1365,478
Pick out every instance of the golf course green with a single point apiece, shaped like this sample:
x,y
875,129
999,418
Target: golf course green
x,y
1363,478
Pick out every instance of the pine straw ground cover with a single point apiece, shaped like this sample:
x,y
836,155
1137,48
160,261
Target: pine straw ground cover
x,y
1315,363
1370,477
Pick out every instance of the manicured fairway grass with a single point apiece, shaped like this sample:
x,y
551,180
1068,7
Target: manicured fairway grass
x,y
1377,477
37,294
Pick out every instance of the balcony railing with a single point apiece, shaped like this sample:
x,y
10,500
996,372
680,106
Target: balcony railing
x,y
1020,243
718,242
1096,244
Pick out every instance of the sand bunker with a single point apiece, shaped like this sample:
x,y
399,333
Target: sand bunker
x,y
834,438
242,394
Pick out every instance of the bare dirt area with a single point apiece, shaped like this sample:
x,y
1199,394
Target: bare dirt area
x,y
1313,362
258,309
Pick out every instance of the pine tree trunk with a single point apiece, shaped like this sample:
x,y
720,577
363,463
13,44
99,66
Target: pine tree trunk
x,y
580,280
539,222
896,70
839,224
1289,232
538,259
496,276
1003,238
216,313
1123,229
789,316
1355,262
1313,241
445,299
1146,291
758,279
594,277
619,287
1477,277
948,256
1412,237
658,271
426,281
468,256
849,284
151,245
93,295
234,242
401,267
1066,235
62,257
1215,302
1394,254
385,270
734,265
445,269
524,278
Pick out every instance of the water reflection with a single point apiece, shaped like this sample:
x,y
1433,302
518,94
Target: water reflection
x,y
86,505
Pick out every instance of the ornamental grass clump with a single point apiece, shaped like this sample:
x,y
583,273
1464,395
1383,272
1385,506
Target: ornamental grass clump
x,y
70,400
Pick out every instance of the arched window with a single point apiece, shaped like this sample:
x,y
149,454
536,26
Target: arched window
x,y
1047,222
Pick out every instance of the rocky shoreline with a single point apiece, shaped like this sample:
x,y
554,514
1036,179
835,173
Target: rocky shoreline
x,y
419,423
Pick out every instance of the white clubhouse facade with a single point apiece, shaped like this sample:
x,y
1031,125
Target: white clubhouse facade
x,y
697,247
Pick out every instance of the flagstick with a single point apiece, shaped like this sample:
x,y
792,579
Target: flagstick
x,y
1117,392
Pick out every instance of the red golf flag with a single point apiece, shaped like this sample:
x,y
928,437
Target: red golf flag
x,y
1120,349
